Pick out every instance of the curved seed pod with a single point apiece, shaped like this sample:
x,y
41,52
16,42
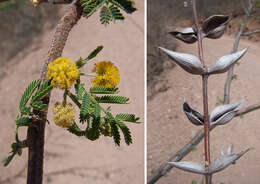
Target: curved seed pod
x,y
187,35
215,26
189,166
223,162
224,113
194,116
225,62
188,62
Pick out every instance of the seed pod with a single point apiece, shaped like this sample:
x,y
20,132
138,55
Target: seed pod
x,y
215,26
187,35
189,166
217,165
194,116
188,62
224,113
225,62
224,161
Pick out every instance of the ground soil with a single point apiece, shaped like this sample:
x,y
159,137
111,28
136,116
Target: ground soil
x,y
169,129
69,159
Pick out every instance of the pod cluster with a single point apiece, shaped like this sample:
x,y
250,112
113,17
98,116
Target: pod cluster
x,y
213,28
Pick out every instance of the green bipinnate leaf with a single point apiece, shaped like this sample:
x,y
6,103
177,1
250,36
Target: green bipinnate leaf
x,y
127,117
85,108
105,15
126,5
110,9
114,128
74,129
42,91
126,132
27,94
110,13
112,99
22,121
90,6
115,132
95,52
79,89
81,62
38,105
93,129
8,159
103,90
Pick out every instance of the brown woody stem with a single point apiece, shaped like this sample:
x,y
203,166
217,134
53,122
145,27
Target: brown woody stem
x,y
36,134
204,93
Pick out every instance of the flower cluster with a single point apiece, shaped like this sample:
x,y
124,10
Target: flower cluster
x,y
63,73
107,75
63,114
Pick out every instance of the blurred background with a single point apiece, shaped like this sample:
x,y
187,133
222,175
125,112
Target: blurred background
x,y
25,36
168,85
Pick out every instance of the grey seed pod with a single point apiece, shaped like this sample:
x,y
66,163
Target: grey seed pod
x,y
224,113
187,35
224,161
194,116
225,62
215,26
188,62
189,166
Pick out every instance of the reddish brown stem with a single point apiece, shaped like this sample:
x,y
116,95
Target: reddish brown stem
x,y
204,93
35,134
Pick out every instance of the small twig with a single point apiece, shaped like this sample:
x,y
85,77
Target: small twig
x,y
235,47
248,109
250,33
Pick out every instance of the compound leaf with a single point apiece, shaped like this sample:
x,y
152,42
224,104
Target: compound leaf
x,y
127,117
103,90
112,99
42,91
126,132
85,108
126,5
27,94
74,129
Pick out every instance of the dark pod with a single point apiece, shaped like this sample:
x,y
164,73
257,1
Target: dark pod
x,y
187,35
194,116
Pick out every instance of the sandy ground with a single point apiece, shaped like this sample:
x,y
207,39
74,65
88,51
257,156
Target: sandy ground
x,y
169,129
69,159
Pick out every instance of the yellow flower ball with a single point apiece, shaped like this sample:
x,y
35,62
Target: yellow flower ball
x,y
107,75
63,114
63,73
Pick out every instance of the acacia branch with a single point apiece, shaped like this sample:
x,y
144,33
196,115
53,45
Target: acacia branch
x,y
187,148
250,33
235,47
249,109
36,133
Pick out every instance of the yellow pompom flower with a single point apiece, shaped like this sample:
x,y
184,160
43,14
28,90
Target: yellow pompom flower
x,y
107,75
63,114
63,73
